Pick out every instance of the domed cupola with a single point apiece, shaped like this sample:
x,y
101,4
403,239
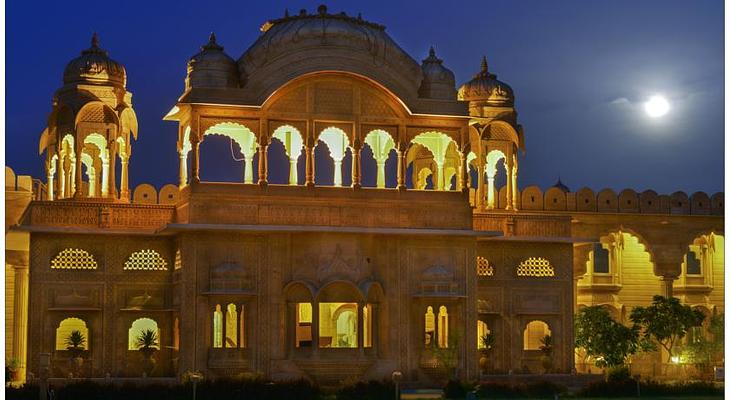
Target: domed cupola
x,y
485,90
211,68
438,81
95,67
560,185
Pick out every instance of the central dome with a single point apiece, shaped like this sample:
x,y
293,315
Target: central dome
x,y
307,43
485,87
94,66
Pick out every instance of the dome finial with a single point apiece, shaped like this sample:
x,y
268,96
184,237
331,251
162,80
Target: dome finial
x,y
431,52
322,9
211,38
485,66
286,13
94,40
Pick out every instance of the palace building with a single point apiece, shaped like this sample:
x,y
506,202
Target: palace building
x,y
368,232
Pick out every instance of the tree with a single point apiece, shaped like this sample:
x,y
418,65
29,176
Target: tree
x,y
75,342
609,342
666,321
703,350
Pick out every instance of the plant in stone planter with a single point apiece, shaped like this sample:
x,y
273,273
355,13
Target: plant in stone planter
x,y
147,343
486,343
13,367
547,353
75,343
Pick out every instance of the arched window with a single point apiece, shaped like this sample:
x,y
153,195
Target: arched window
x,y
73,259
484,268
533,335
694,267
146,260
430,320
139,326
64,330
304,325
217,327
536,267
482,330
443,327
231,326
338,325
600,259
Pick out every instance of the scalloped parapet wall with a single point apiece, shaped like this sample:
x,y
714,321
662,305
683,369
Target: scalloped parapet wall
x,y
532,198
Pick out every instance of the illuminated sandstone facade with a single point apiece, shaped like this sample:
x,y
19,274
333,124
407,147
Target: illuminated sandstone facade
x,y
322,275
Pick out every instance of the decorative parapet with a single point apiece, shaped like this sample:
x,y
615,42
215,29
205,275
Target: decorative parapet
x,y
532,198
524,224
97,215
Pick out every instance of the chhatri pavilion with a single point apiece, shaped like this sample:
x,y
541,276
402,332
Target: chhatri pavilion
x,y
378,224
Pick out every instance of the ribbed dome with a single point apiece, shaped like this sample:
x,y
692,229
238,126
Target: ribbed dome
x,y
485,87
212,68
438,81
94,66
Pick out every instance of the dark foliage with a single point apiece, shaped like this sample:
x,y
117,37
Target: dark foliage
x,y
454,390
627,388
541,389
208,390
372,390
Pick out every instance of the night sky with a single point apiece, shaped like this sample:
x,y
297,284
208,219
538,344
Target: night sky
x,y
581,71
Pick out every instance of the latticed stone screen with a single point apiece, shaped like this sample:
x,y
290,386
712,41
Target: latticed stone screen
x,y
146,260
484,268
73,259
535,266
178,260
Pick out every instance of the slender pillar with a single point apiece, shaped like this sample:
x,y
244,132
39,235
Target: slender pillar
x,y
72,178
491,172
401,171
315,329
20,326
508,197
356,174
124,191
78,178
462,183
309,166
105,174
92,182
480,186
183,169
60,170
113,172
515,191
50,184
440,178
247,169
338,171
195,161
293,175
263,165
360,330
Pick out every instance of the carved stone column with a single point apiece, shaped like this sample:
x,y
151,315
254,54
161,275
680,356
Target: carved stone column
x,y
183,169
356,174
71,178
124,190
490,188
20,326
401,170
105,174
50,183
480,186
263,165
315,329
462,183
78,174
195,160
60,170
508,197
667,283
515,191
309,166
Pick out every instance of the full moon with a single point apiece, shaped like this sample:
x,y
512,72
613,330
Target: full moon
x,y
656,106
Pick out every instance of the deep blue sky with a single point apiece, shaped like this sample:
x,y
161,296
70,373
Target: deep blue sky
x,y
580,71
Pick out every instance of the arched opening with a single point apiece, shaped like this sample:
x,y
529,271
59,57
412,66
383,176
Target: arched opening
x,y
138,327
437,152
534,335
482,332
240,143
217,327
337,144
68,326
495,179
443,327
291,140
430,327
381,145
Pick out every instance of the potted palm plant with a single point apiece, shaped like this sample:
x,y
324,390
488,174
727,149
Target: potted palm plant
x,y
547,353
75,342
147,343
487,342
13,367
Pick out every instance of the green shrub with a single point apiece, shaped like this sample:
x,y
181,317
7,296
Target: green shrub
x,y
454,389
